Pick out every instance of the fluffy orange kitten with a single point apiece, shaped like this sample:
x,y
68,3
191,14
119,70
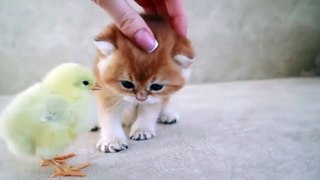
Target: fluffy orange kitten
x,y
137,85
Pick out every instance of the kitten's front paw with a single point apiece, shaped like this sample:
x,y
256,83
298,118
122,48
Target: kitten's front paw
x,y
111,146
142,134
168,118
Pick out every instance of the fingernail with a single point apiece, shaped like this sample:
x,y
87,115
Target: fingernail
x,y
145,40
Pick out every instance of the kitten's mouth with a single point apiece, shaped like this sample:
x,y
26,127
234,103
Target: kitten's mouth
x,y
141,98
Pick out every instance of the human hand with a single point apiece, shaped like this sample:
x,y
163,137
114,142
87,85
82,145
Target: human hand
x,y
133,26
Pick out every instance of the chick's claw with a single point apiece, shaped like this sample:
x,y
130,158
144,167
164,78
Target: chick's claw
x,y
82,166
67,173
65,157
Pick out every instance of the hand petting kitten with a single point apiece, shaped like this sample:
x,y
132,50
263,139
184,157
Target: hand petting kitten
x,y
137,86
135,28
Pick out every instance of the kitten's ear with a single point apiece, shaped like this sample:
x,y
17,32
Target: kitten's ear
x,y
183,60
104,47
106,41
183,52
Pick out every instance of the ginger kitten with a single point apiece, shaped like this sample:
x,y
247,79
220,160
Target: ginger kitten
x,y
136,85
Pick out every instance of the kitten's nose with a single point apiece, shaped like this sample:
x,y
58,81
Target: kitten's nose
x,y
141,96
96,87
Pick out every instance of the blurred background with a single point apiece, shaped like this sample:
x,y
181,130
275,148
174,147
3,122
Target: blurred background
x,y
234,39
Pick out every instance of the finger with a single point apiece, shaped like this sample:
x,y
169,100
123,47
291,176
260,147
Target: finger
x,y
161,8
176,14
130,23
147,5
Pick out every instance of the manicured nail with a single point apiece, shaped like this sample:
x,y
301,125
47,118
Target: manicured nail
x,y
145,40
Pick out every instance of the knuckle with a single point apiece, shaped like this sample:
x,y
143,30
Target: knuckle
x,y
128,23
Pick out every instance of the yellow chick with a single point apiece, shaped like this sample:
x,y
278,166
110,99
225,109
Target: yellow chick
x,y
45,118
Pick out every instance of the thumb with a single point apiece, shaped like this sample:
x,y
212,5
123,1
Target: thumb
x,y
130,23
135,28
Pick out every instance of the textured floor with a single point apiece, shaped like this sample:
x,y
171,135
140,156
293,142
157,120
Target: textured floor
x,y
243,130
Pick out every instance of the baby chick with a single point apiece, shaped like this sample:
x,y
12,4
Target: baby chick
x,y
45,118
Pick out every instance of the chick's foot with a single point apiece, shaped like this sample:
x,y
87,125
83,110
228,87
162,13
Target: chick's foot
x,y
70,171
57,159
62,169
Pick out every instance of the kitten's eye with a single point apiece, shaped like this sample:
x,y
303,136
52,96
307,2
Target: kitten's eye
x,y
127,84
85,83
156,87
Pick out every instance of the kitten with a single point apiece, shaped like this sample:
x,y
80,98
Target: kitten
x,y
136,85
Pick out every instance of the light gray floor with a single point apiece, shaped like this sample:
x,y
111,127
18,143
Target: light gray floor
x,y
243,130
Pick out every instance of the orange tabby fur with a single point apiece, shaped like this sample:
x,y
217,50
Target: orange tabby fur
x,y
128,62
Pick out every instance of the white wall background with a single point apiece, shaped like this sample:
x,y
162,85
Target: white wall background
x,y
234,39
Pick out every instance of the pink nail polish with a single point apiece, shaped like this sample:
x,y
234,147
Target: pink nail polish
x,y
145,40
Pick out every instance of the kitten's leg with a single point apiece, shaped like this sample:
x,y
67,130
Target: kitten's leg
x,y
144,127
112,136
168,115
129,116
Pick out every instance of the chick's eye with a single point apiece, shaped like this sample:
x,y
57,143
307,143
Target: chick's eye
x,y
85,83
127,84
156,87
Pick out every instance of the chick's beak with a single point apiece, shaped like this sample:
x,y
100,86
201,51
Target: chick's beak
x,y
96,87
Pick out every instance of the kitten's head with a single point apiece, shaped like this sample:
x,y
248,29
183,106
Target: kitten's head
x,y
138,76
